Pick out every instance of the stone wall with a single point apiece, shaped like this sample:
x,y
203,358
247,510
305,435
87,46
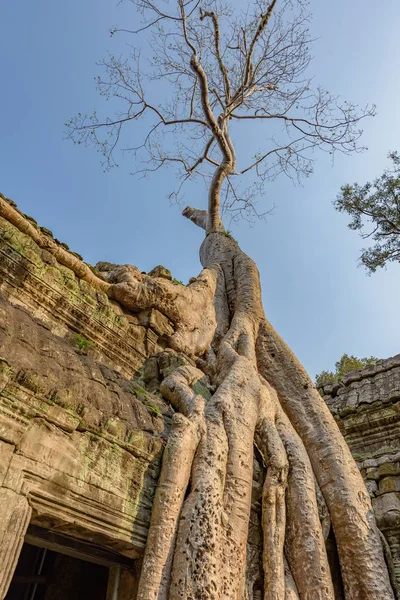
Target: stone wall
x,y
366,405
80,439
82,426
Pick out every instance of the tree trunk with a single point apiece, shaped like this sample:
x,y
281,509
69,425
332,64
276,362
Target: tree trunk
x,y
197,543
263,408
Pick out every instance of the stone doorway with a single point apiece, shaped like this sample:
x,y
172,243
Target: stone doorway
x,y
57,567
43,574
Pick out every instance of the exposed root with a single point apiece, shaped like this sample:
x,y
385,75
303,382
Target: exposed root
x,y
305,552
323,511
390,565
190,308
210,552
273,500
45,242
177,462
175,475
360,552
291,592
255,376
240,389
273,523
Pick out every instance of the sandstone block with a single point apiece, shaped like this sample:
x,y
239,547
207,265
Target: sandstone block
x,y
14,519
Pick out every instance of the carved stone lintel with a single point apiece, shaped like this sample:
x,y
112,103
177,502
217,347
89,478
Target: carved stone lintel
x,y
14,519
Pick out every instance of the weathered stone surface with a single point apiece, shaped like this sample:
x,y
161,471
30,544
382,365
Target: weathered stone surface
x,y
55,296
366,405
151,374
15,513
156,321
80,440
105,267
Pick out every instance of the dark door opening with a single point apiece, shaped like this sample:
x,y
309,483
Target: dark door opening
x,y
44,574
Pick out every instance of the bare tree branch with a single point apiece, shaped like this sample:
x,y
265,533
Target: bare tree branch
x,y
217,41
213,72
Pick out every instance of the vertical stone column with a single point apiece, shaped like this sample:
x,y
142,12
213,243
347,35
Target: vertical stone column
x,y
113,583
393,539
15,514
387,512
128,584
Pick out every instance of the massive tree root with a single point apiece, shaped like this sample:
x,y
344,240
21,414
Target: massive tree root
x,y
262,398
262,406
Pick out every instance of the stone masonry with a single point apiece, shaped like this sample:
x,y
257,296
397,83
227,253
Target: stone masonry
x,y
82,425
80,438
366,406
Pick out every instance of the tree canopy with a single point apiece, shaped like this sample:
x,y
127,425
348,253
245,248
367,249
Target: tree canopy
x,y
344,365
375,212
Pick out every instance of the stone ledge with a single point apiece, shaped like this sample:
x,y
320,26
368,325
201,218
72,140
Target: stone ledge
x,y
383,365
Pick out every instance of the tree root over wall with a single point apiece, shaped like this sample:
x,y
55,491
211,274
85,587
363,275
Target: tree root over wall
x,y
263,405
263,398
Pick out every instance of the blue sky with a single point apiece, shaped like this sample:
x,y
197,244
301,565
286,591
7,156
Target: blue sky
x,y
314,293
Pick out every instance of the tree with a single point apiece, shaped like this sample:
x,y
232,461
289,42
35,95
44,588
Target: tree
x,y
377,205
343,366
217,73
261,407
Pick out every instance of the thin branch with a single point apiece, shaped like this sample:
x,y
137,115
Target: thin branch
x,y
217,42
264,19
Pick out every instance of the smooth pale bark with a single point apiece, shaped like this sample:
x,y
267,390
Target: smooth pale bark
x,y
306,553
262,394
210,554
196,569
273,524
291,592
183,439
361,557
189,308
256,375
360,551
273,513
175,475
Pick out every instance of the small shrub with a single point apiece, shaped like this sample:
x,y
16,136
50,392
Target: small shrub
x,y
343,366
153,409
82,343
144,397
178,281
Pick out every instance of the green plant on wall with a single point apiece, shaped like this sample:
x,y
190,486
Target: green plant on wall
x,y
343,366
153,409
82,343
144,397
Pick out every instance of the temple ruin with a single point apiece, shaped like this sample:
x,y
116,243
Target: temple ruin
x,y
83,426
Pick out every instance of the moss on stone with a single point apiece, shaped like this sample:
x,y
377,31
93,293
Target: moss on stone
x,y
47,232
388,469
201,389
